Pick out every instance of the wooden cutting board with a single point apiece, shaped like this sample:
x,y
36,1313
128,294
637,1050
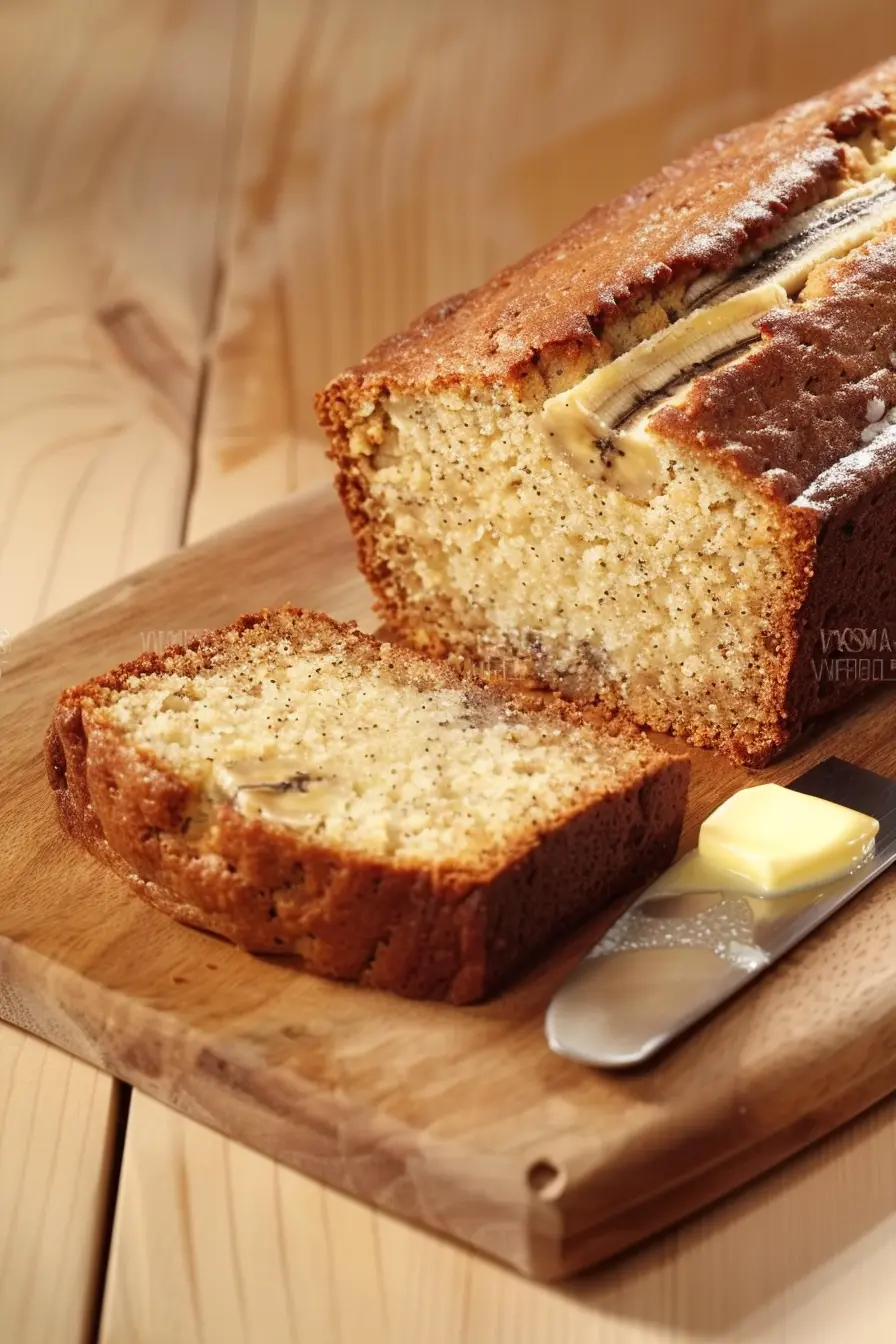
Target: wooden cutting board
x,y
459,1119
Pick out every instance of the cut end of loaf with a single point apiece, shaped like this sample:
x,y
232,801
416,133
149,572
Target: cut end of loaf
x,y
479,539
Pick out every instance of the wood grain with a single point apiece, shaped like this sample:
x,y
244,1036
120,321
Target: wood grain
x,y
339,1082
57,1119
114,148
365,192
808,47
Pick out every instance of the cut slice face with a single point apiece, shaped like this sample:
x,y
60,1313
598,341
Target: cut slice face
x,y
586,425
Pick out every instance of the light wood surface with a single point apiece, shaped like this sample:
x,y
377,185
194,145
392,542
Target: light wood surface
x,y
340,1082
109,219
57,1139
250,1252
108,225
419,186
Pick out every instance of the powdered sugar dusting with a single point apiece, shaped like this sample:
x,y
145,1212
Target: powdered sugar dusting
x,y
878,454
871,432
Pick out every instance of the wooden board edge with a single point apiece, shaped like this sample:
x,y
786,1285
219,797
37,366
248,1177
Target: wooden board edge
x,y
586,1248
472,1198
518,1215
541,1234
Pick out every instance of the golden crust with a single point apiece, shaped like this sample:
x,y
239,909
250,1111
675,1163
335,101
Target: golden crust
x,y
424,933
791,416
799,403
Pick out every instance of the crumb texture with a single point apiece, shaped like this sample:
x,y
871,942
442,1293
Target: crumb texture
x,y
492,545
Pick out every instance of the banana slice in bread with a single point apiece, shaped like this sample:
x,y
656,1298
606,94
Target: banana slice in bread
x,y
298,787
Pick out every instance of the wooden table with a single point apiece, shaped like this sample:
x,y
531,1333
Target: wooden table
x,y
207,207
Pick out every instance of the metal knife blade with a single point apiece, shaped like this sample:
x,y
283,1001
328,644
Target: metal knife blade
x,y
676,955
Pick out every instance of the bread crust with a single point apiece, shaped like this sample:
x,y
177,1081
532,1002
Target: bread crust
x,y
796,409
456,935
797,404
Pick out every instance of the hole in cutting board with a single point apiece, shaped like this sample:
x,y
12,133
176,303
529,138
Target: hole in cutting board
x,y
545,1180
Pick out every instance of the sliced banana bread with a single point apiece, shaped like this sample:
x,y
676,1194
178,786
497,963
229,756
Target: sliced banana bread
x,y
655,461
301,788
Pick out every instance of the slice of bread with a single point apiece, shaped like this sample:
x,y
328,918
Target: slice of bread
x,y
300,788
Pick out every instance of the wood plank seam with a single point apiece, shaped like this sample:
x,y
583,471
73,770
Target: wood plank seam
x,y
235,122
122,1104
77,241
203,382
230,159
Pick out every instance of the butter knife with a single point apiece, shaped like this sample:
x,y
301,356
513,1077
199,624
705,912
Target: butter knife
x,y
675,955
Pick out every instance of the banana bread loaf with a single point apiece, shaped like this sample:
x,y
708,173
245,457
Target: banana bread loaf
x,y
300,788
654,463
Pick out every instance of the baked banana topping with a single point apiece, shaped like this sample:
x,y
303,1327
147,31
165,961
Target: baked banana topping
x,y
828,230
279,789
585,424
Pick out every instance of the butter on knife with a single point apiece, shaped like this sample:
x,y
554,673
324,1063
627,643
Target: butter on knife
x,y
783,840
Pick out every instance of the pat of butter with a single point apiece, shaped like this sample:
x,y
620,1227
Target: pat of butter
x,y
783,840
